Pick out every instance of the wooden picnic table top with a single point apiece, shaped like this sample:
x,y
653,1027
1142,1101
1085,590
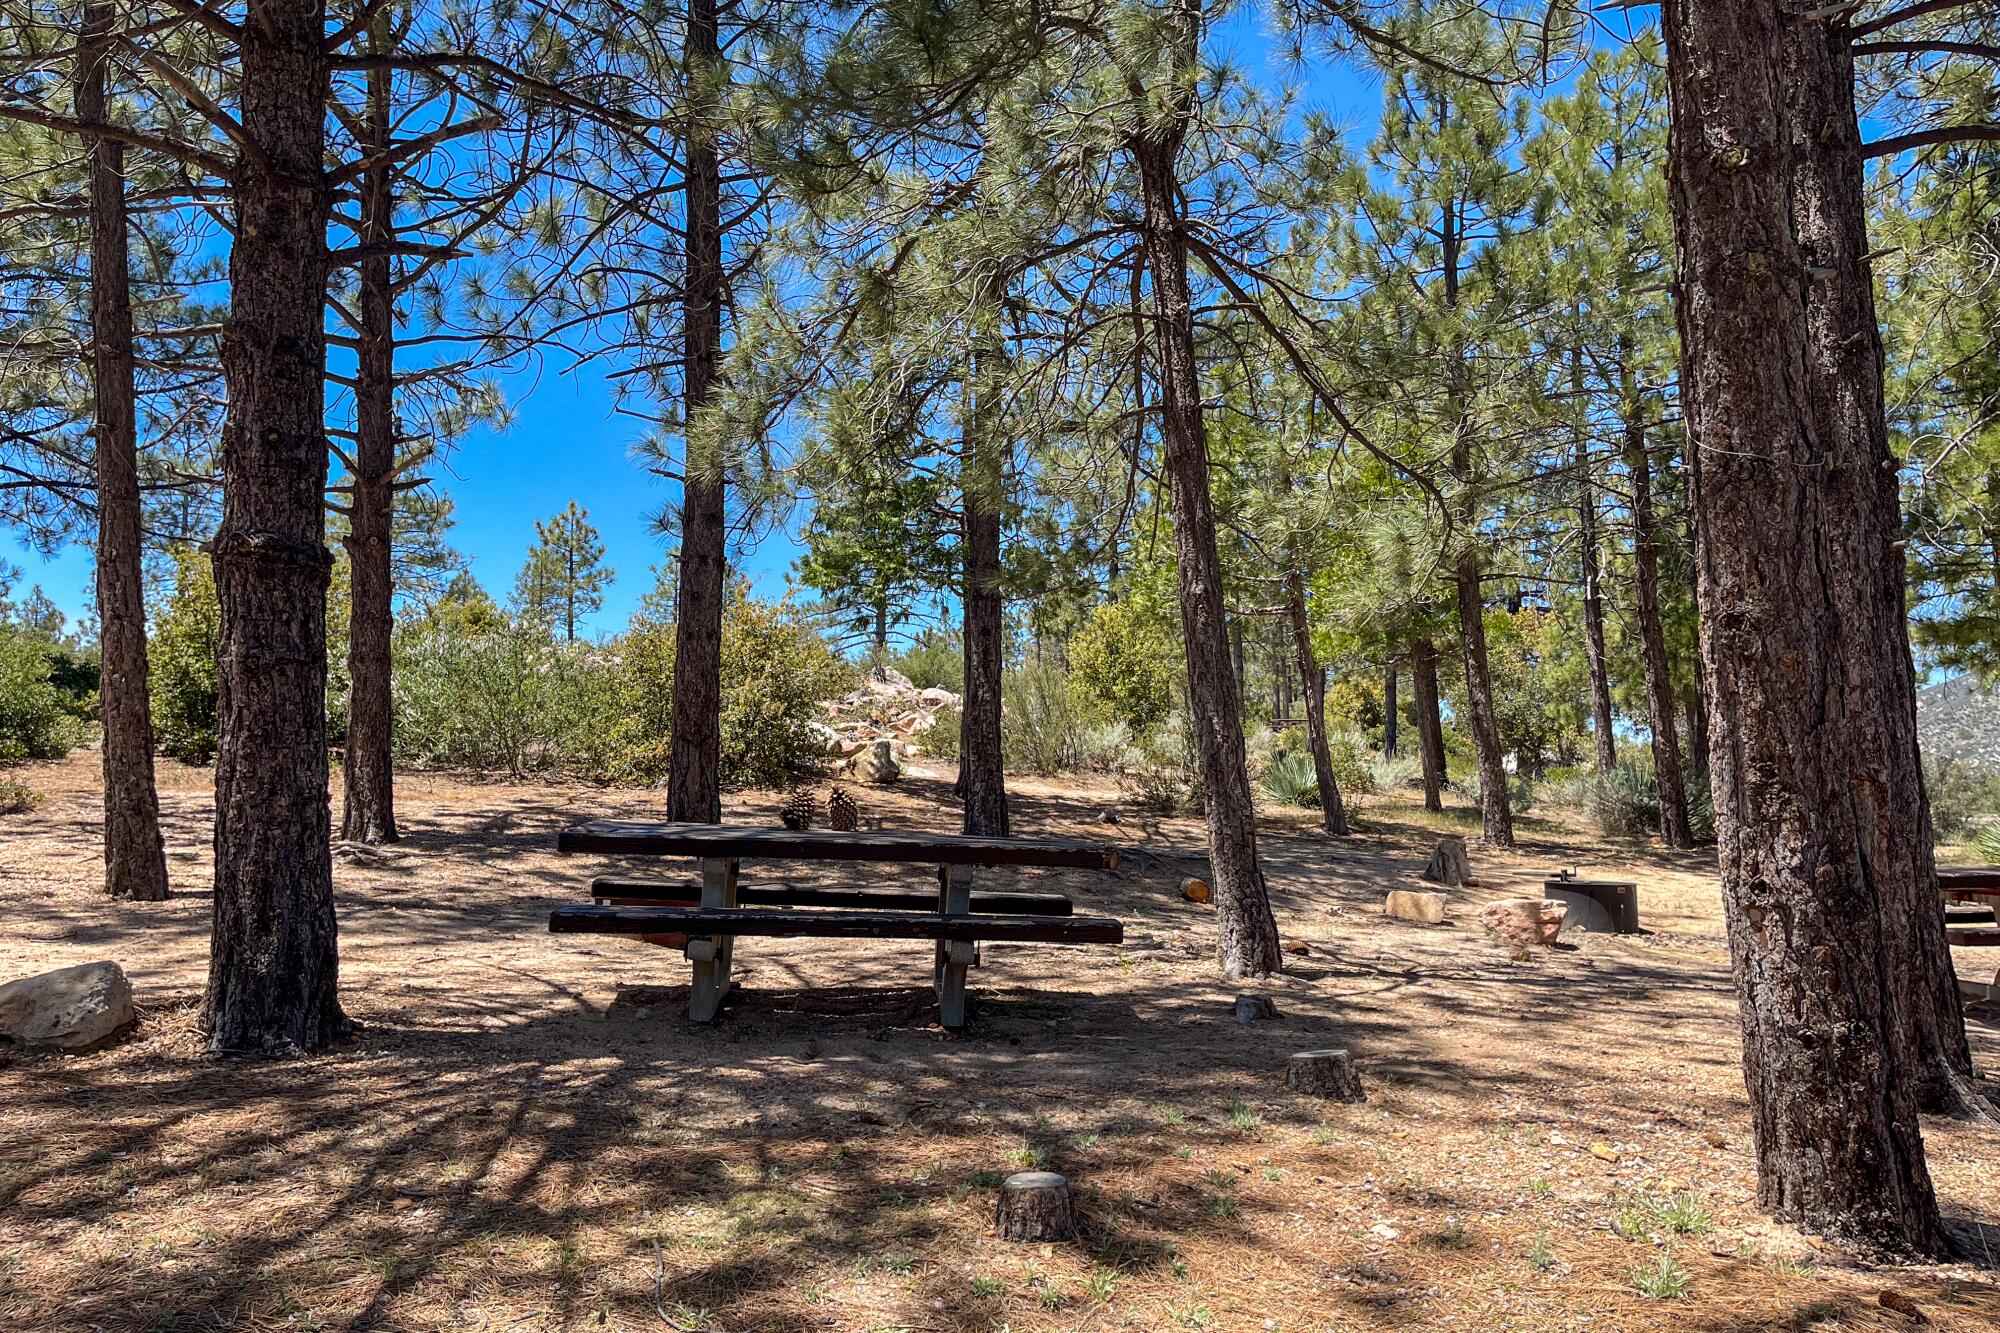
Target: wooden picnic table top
x,y
631,837
1969,879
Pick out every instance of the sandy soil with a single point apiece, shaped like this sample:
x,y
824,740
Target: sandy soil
x,y
527,1133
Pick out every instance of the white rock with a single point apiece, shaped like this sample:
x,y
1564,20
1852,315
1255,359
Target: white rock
x,y
937,696
1414,905
73,1008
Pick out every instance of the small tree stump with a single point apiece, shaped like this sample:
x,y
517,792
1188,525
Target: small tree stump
x,y
1034,1205
1324,1074
1449,864
1194,890
1251,1008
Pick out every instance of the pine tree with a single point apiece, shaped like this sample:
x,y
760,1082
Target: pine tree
x,y
565,575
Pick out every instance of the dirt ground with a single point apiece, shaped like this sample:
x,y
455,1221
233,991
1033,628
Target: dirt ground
x,y
528,1134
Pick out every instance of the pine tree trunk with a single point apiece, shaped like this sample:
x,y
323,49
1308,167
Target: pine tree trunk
x,y
1247,933
1828,884
135,861
1430,724
368,812
981,775
1495,810
274,968
1698,730
1332,812
1668,786
694,763
1391,709
1593,607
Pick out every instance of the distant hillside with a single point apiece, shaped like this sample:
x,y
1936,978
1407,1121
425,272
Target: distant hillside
x,y
1959,719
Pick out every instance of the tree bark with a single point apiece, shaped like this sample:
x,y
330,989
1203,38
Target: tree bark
x,y
1430,724
1495,809
1332,812
1588,557
1668,786
135,861
1247,933
694,761
368,776
981,773
1391,708
274,968
1828,883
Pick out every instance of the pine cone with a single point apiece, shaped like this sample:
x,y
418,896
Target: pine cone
x,y
842,814
800,806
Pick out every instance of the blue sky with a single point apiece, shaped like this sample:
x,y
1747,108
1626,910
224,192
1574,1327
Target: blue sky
x,y
566,443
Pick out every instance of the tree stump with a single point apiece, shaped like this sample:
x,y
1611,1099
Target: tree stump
x,y
1449,864
1324,1074
1034,1205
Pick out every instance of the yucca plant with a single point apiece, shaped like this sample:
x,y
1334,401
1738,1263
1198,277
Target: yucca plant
x,y
1289,780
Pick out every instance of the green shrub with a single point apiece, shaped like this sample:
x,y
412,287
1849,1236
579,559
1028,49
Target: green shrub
x,y
518,701
34,724
1162,772
940,738
774,673
1126,658
17,798
1624,802
1961,795
935,660
514,701
1043,722
1986,842
181,661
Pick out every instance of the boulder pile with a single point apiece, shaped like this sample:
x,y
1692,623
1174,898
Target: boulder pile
x,y
886,707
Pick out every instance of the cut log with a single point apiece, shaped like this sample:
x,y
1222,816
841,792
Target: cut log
x,y
1324,1074
1194,890
1034,1206
1449,864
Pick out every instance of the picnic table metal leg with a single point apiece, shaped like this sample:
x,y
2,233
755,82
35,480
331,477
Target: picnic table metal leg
x,y
712,955
953,956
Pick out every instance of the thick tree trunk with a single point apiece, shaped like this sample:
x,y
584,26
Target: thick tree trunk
x,y
694,762
1495,809
1332,812
1828,882
1247,933
368,777
274,968
981,774
1593,611
135,861
1430,723
1391,709
1668,786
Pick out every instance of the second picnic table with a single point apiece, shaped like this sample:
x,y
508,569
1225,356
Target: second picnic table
x,y
709,918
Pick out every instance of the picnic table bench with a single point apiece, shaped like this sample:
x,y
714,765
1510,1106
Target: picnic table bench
x,y
704,920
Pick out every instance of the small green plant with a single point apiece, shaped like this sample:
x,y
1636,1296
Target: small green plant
x,y
986,1288
1222,1180
1085,1142
1242,1117
1541,1258
1450,1236
1541,1186
984,1180
900,1263
1221,1206
1683,1214
1029,1155
1100,1284
1324,1136
1666,1280
1051,1295
17,798
1190,1315
1184,1152
1631,1222
1170,1115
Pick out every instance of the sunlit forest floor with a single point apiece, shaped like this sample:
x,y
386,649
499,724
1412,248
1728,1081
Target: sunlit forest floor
x,y
528,1134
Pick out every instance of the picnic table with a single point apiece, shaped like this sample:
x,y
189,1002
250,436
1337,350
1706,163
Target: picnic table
x,y
1970,884
704,921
